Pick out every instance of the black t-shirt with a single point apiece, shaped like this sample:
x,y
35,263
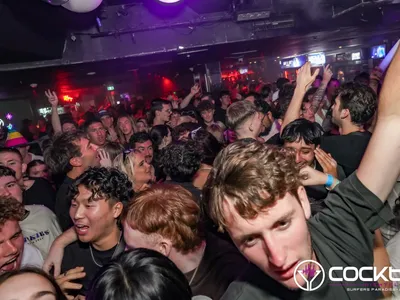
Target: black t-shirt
x,y
221,264
220,115
347,150
78,254
40,193
342,235
63,204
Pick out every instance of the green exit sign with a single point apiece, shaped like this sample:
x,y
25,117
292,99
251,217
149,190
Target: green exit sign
x,y
110,88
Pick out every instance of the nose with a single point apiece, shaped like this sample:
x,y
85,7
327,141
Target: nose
x,y
10,248
5,192
299,159
79,212
276,253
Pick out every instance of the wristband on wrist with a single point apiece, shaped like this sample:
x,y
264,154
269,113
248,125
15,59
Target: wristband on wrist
x,y
329,181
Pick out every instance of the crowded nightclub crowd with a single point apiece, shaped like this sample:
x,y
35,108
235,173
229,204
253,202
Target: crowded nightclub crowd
x,y
209,197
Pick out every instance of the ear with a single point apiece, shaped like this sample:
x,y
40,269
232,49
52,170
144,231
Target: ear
x,y
305,204
117,210
165,247
24,166
76,162
344,113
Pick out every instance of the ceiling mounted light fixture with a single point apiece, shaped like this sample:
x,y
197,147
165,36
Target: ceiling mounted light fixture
x,y
169,1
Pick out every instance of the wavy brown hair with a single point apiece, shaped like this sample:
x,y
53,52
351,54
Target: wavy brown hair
x,y
10,210
252,176
170,211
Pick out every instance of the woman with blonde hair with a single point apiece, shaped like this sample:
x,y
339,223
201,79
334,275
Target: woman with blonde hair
x,y
135,166
126,127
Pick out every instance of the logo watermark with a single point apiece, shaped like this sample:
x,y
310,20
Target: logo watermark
x,y
310,273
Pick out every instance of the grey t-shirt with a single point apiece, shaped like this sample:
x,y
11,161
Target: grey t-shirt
x,y
342,235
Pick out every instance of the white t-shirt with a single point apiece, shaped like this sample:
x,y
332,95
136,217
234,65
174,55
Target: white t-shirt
x,y
31,257
40,228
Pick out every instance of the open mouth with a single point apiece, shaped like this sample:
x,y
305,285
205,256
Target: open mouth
x,y
10,265
81,229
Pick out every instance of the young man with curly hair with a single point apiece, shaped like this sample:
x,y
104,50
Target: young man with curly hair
x,y
256,194
97,200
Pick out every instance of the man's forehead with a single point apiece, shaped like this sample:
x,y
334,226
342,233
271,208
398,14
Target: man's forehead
x,y
6,156
94,125
299,144
6,179
147,143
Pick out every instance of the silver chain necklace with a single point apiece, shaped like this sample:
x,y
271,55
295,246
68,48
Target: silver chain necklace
x,y
91,251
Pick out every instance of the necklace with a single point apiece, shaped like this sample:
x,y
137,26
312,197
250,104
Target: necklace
x,y
91,251
195,271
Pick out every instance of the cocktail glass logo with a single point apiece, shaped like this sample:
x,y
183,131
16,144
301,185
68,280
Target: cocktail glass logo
x,y
309,273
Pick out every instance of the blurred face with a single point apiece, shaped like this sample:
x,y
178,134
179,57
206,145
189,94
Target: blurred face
x,y
11,247
304,153
165,113
226,100
308,112
208,115
277,239
90,157
97,134
107,121
174,120
142,170
94,218
13,161
141,127
35,287
69,127
333,87
125,126
10,188
146,149
39,171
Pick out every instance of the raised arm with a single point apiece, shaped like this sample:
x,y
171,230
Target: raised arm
x,y
304,81
380,166
320,93
55,118
194,90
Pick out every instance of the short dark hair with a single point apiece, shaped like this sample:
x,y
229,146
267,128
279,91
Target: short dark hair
x,y
263,106
11,150
157,134
181,161
89,122
34,163
360,100
108,183
139,137
140,274
63,148
208,146
5,172
310,132
59,294
182,128
157,105
266,91
205,105
281,82
224,93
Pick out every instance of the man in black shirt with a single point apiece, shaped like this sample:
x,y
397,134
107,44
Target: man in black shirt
x,y
70,154
166,218
256,195
220,111
97,200
353,109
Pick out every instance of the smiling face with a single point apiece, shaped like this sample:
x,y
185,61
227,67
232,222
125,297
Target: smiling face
x,y
277,239
35,287
11,246
304,153
142,170
208,115
94,218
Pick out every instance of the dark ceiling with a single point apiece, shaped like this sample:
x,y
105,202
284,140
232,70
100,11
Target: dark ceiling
x,y
132,38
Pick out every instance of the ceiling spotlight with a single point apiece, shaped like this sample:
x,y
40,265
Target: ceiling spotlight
x,y
169,1
181,47
91,73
